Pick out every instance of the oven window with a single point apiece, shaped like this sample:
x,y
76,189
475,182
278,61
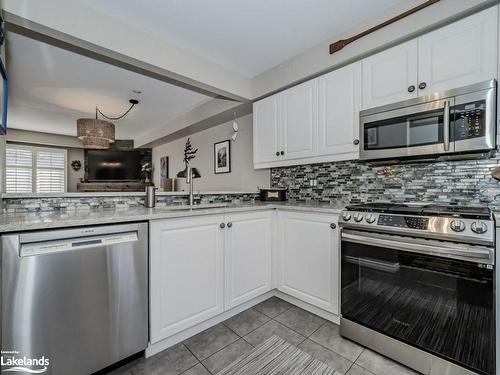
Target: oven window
x,y
405,131
439,305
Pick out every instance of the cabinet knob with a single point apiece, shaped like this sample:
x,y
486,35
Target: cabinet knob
x,y
222,225
282,152
333,225
422,85
411,88
356,142
277,153
229,225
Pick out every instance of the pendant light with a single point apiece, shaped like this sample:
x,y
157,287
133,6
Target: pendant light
x,y
98,134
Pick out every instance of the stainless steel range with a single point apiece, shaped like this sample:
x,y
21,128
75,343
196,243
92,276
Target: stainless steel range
x,y
418,285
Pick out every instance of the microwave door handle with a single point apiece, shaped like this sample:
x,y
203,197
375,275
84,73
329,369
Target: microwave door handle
x,y
446,126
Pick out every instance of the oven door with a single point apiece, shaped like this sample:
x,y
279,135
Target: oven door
x,y
417,130
425,295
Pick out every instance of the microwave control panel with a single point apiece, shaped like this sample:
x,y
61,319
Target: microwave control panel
x,y
470,120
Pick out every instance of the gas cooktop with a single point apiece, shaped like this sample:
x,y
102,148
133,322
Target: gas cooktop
x,y
424,209
445,222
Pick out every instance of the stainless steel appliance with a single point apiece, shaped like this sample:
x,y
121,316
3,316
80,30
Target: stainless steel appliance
x,y
418,285
444,123
78,297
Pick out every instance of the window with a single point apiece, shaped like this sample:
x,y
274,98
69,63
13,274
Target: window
x,y
35,169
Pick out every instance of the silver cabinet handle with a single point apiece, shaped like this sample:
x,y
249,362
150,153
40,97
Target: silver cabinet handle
x,y
229,225
222,225
446,126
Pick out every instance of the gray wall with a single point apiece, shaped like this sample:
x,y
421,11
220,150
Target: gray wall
x,y
242,176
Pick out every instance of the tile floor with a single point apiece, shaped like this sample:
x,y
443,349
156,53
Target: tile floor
x,y
213,349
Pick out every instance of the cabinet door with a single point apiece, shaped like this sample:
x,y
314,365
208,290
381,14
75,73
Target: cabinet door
x,y
390,76
248,246
309,258
266,130
460,54
339,105
186,273
299,120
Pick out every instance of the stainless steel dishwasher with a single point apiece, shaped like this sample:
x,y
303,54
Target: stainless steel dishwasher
x,y
77,297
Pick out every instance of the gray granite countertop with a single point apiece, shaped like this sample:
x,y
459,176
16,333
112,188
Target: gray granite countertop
x,y
16,222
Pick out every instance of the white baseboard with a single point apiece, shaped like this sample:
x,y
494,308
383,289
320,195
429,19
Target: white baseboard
x,y
157,347
308,307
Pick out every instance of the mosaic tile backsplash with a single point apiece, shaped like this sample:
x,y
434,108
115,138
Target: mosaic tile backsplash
x,y
118,202
466,182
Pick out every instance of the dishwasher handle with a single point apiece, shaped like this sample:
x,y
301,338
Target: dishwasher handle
x,y
74,244
72,233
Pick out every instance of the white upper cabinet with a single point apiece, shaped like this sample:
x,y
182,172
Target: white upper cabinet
x,y
390,76
339,105
299,120
248,256
266,130
460,54
318,121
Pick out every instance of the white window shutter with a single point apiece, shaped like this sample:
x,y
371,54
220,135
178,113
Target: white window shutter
x,y
19,171
35,169
50,171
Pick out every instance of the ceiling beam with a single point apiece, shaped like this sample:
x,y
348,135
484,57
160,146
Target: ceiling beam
x,y
37,31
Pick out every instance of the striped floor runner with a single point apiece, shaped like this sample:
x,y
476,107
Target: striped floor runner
x,y
277,357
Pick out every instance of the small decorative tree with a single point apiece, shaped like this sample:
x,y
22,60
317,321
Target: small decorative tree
x,y
189,153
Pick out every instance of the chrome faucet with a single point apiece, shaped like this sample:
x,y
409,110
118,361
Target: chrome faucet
x,y
191,174
189,181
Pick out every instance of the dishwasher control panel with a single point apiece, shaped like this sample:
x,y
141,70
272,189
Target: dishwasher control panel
x,y
49,247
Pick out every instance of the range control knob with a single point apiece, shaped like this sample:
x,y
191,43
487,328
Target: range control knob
x,y
478,227
370,218
358,216
346,216
457,225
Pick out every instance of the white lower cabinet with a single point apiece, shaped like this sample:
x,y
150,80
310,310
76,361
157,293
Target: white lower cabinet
x,y
204,265
248,256
186,273
308,252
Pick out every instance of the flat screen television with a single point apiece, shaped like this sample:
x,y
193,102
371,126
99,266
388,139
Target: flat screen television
x,y
3,99
106,165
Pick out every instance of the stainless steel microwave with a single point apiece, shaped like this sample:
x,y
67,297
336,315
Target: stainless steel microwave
x,y
449,122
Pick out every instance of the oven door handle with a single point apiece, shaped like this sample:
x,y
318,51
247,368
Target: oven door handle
x,y
473,253
446,125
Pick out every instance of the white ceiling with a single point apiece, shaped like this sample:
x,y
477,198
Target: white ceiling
x,y
248,36
49,88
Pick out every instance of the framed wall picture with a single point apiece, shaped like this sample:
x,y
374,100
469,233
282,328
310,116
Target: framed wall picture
x,y
222,157
164,167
